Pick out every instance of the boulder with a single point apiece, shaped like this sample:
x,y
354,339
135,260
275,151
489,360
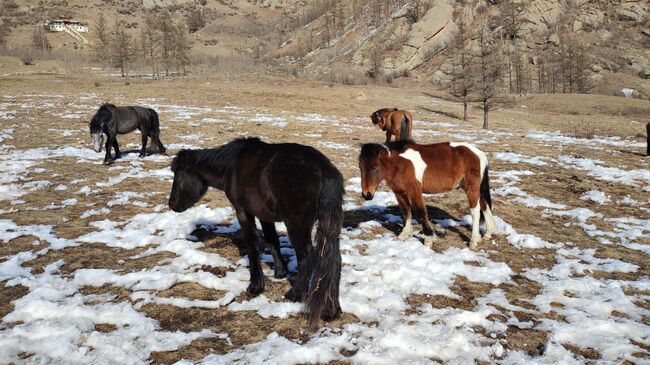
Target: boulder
x,y
629,93
590,17
596,68
633,11
645,73
430,35
577,26
538,14
553,39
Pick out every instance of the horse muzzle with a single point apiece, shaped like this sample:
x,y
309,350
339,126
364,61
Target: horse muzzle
x,y
367,196
97,140
173,205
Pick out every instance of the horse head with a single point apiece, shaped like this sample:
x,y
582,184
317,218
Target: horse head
x,y
372,170
188,186
104,114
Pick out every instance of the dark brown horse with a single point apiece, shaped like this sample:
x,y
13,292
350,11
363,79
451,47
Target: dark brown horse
x,y
411,169
647,136
285,182
394,122
112,120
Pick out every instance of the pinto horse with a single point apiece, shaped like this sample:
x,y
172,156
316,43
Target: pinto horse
x,y
275,182
112,120
411,169
395,122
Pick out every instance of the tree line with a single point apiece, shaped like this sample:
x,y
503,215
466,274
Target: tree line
x,y
487,60
162,44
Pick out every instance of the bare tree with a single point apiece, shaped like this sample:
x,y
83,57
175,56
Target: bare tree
x,y
150,39
461,82
3,35
181,48
512,19
582,64
489,67
121,49
195,19
39,40
166,28
101,47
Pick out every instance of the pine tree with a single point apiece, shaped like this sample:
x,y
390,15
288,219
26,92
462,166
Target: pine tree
x,y
121,49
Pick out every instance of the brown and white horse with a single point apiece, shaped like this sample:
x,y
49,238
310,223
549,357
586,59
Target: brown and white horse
x,y
411,169
395,122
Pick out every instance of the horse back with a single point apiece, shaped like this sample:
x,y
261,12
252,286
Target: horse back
x,y
129,118
277,181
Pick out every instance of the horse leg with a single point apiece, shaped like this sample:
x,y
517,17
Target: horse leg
x,y
107,158
475,212
300,236
421,210
490,225
403,201
388,135
145,136
118,153
271,237
247,223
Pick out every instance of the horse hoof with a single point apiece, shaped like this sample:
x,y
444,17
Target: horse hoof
x,y
330,315
108,162
428,241
404,235
292,296
254,290
473,246
279,274
487,236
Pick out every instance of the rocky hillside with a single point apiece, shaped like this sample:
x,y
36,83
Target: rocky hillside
x,y
411,39
405,40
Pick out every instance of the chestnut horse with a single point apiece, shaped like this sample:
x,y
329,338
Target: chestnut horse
x,y
411,169
395,122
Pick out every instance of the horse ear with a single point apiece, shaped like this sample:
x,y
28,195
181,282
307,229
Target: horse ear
x,y
179,160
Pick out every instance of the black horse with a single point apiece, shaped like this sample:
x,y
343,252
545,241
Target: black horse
x,y
112,120
275,182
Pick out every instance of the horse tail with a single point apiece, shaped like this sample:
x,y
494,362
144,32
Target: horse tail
x,y
486,198
155,129
405,127
155,121
323,290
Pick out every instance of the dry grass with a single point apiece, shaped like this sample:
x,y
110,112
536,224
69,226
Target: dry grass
x,y
274,95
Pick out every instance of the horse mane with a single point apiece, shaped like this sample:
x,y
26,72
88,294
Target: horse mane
x,y
220,160
104,113
399,146
371,150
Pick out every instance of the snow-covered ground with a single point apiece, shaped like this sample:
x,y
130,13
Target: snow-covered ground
x,y
584,301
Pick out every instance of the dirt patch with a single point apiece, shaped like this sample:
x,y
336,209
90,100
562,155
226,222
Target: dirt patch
x,y
96,256
530,341
587,353
9,294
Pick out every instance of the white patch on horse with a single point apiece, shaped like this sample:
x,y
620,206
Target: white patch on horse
x,y
418,163
490,225
480,154
476,234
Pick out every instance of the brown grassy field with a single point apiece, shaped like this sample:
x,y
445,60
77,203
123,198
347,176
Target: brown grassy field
x,y
40,103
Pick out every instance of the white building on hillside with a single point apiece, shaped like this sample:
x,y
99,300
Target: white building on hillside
x,y
60,25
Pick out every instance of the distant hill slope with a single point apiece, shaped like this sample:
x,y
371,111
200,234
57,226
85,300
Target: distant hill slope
x,y
407,39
